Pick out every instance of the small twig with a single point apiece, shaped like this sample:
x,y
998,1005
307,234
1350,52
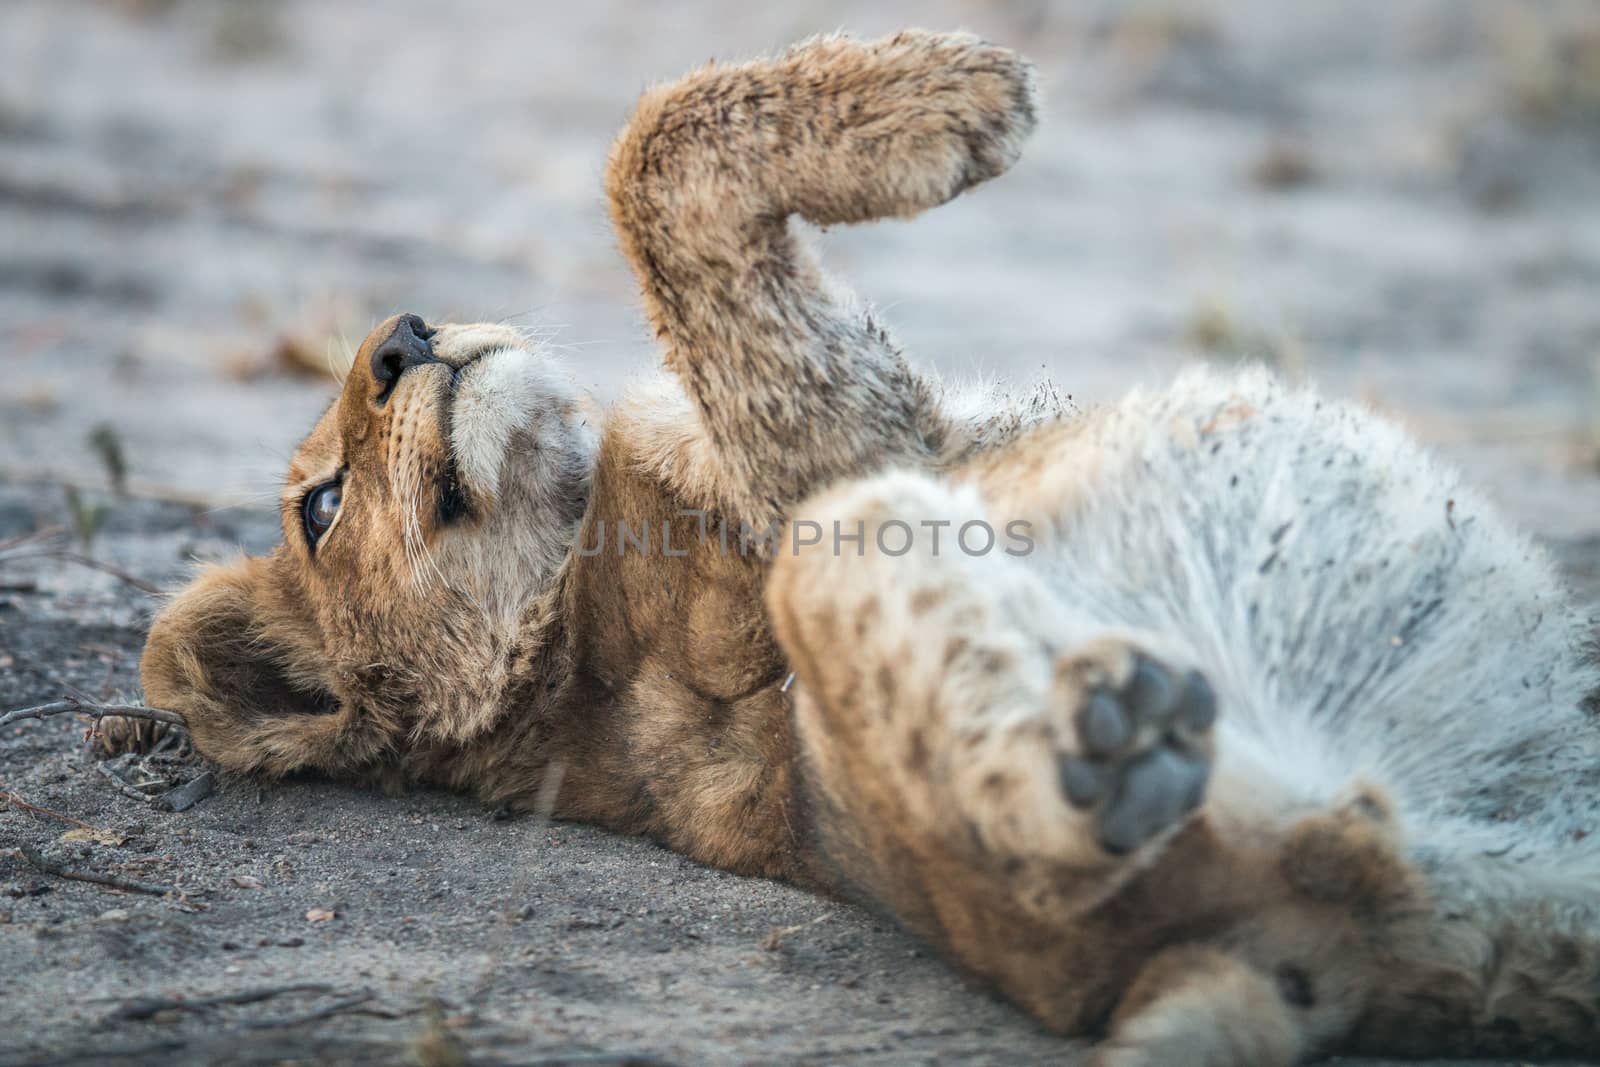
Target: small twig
x,y
47,544
776,938
135,487
17,802
66,555
335,1008
95,711
145,1007
122,787
49,533
109,568
128,884
169,749
82,696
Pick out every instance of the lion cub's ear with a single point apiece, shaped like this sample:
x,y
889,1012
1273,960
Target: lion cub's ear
x,y
240,665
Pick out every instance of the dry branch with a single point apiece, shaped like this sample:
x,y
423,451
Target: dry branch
x,y
49,533
67,556
14,801
123,787
774,940
145,1007
46,544
95,711
353,1001
128,884
134,487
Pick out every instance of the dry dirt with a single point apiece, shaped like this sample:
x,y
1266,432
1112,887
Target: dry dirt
x,y
199,201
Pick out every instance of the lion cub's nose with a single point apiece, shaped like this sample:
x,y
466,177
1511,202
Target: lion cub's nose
x,y
405,347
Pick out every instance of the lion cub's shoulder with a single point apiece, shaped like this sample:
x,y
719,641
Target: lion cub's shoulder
x,y
655,429
656,432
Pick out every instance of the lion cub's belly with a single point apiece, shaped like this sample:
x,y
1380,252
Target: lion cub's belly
x,y
1360,611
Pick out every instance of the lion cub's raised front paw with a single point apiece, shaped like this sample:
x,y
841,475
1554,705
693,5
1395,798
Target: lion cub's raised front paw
x,y
900,125
1143,734
984,94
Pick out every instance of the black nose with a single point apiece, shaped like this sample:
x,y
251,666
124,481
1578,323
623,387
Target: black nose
x,y
405,347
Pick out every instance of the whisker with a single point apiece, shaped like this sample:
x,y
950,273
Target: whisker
x,y
568,345
413,537
244,500
428,556
419,576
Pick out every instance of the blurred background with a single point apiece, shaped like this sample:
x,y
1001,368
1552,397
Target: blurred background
x,y
205,205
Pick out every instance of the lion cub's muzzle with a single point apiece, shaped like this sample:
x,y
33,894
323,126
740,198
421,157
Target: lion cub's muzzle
x,y
406,347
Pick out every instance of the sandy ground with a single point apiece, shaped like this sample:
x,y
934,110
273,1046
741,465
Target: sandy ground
x,y
203,205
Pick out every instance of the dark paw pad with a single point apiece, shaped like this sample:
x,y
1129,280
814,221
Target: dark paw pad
x,y
1143,761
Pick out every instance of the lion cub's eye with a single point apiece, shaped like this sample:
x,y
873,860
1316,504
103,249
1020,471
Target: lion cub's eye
x,y
322,507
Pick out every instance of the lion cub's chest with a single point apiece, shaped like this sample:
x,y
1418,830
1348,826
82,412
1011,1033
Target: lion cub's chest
x,y
672,625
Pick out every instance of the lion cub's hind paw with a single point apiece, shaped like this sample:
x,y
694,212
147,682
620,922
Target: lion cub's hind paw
x,y
1144,751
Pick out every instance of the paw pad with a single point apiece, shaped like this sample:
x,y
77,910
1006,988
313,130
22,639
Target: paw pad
x,y
1142,762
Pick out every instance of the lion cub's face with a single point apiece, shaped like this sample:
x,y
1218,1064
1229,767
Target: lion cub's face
x,y
426,511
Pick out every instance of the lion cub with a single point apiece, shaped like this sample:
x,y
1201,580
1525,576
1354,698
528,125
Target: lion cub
x,y
1219,722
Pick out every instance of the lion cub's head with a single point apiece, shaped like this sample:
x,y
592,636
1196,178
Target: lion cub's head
x,y
426,511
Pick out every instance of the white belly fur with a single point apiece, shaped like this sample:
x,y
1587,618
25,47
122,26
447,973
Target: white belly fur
x,y
1361,614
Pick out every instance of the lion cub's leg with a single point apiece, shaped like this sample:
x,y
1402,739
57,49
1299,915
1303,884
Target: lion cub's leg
x,y
1201,1007
796,384
961,694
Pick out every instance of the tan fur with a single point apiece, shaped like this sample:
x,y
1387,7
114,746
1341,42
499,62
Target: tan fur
x,y
917,761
